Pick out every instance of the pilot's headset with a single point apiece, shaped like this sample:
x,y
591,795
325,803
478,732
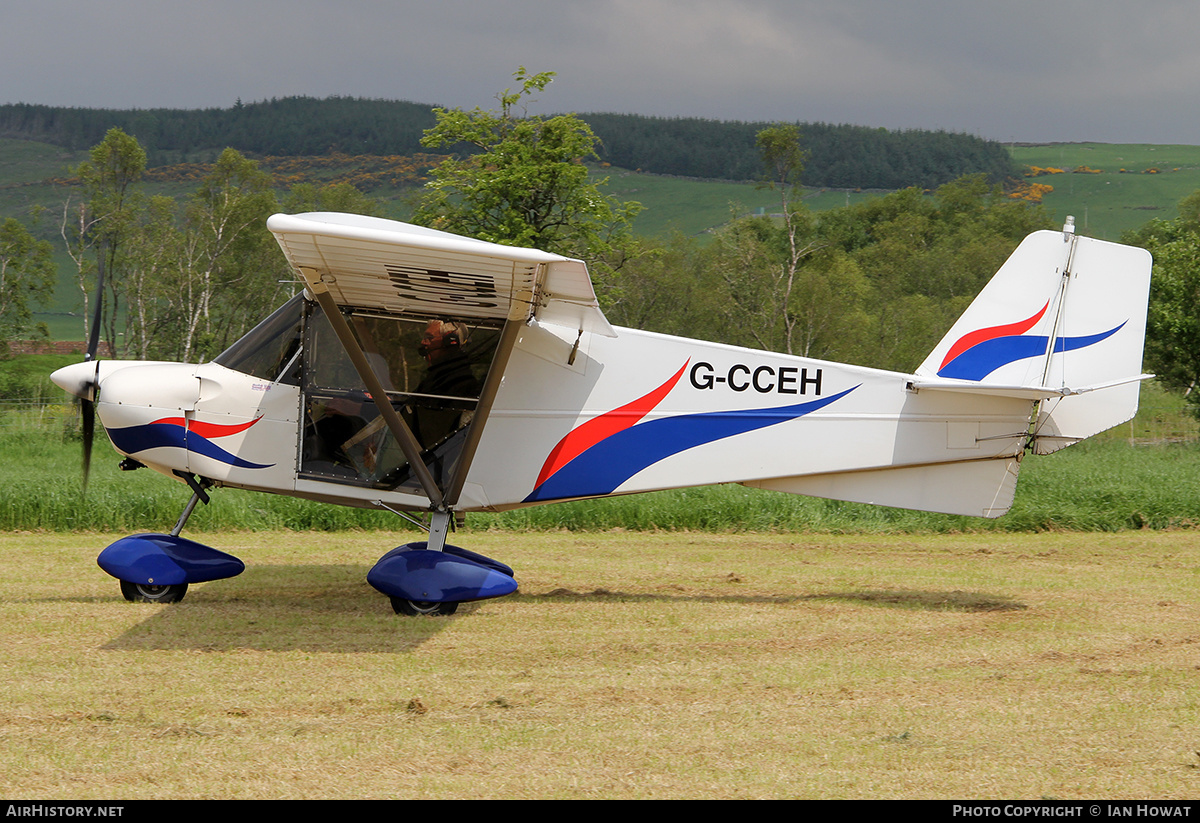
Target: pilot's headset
x,y
452,335
455,334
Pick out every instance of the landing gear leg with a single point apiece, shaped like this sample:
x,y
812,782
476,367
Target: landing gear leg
x,y
439,529
199,495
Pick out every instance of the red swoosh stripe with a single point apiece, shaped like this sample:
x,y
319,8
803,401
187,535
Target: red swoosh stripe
x,y
583,437
978,336
208,430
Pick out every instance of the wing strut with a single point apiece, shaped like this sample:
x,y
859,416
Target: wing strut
x,y
400,430
518,314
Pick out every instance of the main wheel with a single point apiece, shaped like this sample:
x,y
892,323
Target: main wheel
x,y
413,608
147,593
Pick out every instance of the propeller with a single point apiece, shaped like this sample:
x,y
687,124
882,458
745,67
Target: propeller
x,y
87,398
87,408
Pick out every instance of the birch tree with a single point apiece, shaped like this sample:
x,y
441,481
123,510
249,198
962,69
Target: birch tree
x,y
228,264
110,180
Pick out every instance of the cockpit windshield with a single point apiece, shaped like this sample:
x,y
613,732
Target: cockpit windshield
x,y
271,350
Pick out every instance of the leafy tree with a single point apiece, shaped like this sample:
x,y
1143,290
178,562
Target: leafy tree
x,y
1173,324
27,276
1173,320
662,289
784,160
525,183
782,156
926,258
1189,211
343,197
745,263
153,255
110,182
830,308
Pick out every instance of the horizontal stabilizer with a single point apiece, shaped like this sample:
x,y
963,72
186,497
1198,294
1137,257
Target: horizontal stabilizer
x,y
1019,392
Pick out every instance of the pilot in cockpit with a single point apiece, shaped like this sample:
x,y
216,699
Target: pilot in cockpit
x,y
448,391
443,347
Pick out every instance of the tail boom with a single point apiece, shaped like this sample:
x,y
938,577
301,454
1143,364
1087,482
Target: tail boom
x,y
1048,353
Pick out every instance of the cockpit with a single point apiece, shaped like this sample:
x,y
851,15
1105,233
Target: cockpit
x,y
432,368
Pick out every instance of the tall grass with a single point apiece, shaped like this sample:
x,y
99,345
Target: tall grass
x,y
1120,482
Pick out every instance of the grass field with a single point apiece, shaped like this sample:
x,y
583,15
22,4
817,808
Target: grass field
x,y
712,643
628,666
1125,194
696,206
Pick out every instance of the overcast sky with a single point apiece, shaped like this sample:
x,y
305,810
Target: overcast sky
x,y
1042,70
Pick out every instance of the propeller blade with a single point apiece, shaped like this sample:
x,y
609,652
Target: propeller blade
x,y
87,409
88,399
98,315
89,427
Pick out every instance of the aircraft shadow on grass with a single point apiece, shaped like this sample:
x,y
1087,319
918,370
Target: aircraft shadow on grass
x,y
330,608
931,600
299,607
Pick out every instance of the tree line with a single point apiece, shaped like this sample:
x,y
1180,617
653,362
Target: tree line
x,y
1173,321
841,156
286,126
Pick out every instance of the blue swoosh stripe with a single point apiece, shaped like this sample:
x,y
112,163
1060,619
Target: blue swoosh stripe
x,y
133,439
984,358
602,468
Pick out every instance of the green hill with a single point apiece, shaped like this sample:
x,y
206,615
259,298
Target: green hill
x,y
1111,188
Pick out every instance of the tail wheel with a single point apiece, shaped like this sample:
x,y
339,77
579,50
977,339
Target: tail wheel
x,y
414,608
148,593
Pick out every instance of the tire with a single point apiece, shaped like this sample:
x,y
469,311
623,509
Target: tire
x,y
146,593
415,608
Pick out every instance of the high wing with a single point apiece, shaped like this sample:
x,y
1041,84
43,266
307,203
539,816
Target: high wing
x,y
369,262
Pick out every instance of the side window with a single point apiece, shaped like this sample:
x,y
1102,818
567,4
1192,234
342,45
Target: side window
x,y
433,371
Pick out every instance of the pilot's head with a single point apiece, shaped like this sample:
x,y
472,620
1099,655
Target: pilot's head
x,y
442,339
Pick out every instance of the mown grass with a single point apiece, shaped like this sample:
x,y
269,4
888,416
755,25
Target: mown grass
x,y
629,665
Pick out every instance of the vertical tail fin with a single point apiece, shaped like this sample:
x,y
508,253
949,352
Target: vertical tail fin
x,y
1064,312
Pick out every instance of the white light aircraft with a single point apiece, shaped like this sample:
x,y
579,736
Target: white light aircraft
x,y
424,372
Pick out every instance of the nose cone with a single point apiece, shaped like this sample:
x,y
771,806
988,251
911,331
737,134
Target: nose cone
x,y
78,379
